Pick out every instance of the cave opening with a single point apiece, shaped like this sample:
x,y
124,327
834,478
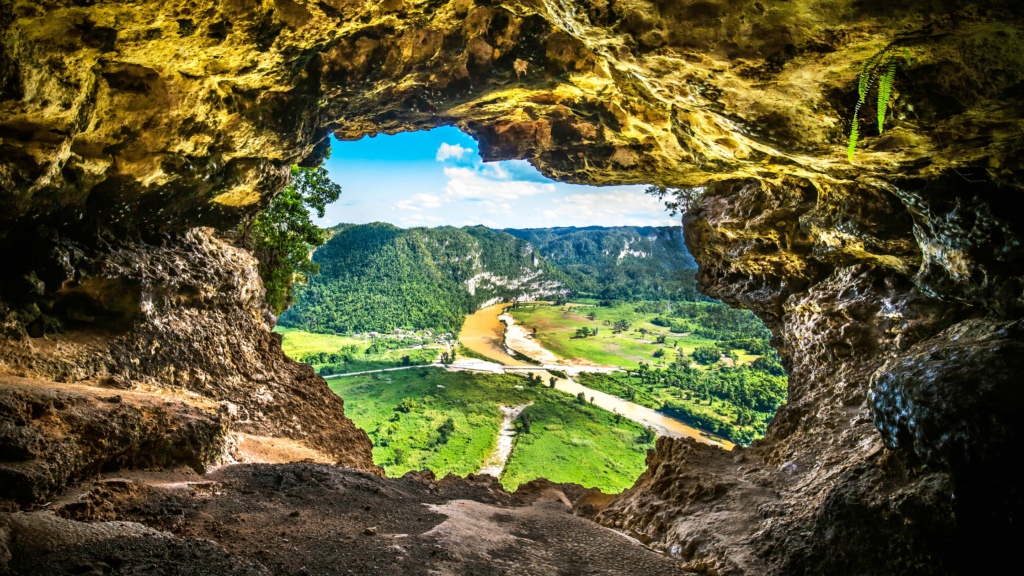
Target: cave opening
x,y
656,353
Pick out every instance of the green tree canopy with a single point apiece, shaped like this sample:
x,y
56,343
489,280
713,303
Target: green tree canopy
x,y
282,237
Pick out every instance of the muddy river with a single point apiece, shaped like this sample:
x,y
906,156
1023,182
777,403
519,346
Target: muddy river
x,y
483,333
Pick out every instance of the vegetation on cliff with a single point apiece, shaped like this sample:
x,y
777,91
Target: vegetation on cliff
x,y
626,262
378,277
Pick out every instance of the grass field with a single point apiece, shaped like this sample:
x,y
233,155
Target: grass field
x,y
297,343
556,328
568,442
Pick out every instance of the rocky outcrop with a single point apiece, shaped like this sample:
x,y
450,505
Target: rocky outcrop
x,y
52,435
876,338
887,282
183,319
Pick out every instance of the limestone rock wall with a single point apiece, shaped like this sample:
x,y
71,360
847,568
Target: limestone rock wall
x,y
183,318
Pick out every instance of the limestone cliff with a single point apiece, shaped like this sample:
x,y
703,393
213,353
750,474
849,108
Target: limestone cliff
x,y
183,320
893,284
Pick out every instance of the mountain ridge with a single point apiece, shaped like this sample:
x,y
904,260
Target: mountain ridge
x,y
619,262
377,277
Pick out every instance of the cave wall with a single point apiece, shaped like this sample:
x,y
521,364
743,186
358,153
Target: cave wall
x,y
892,284
899,425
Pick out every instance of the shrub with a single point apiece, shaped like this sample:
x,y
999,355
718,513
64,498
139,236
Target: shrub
x,y
446,430
706,355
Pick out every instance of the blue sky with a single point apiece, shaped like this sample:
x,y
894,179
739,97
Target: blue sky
x,y
436,178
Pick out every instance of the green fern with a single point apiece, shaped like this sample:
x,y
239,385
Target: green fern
x,y
854,134
887,61
884,91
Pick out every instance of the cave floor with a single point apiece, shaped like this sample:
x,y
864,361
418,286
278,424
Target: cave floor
x,y
317,519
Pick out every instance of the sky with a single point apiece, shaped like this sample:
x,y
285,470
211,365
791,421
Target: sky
x,y
435,178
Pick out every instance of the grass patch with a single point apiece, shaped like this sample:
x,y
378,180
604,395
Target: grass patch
x,y
344,355
572,442
567,441
297,343
467,353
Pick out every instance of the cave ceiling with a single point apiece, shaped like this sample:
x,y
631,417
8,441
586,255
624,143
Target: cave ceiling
x,y
188,112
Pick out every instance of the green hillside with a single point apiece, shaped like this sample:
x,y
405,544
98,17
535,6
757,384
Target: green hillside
x,y
377,277
625,262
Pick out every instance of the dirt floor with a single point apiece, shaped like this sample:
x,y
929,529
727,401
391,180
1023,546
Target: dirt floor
x,y
315,519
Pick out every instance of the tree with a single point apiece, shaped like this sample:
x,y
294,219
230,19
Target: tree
x,y
524,422
648,435
661,339
707,355
282,237
678,199
581,398
407,405
446,430
552,381
643,371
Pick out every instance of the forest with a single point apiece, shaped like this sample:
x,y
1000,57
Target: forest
x,y
377,277
626,262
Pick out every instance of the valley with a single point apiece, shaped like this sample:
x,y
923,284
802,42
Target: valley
x,y
569,388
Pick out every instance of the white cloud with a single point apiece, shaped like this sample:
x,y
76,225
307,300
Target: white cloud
x,y
502,208
420,220
446,151
611,208
418,202
468,184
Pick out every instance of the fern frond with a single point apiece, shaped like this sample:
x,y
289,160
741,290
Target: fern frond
x,y
864,77
880,68
884,92
854,135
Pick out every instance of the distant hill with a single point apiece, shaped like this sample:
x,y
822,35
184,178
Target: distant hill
x,y
377,277
649,263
